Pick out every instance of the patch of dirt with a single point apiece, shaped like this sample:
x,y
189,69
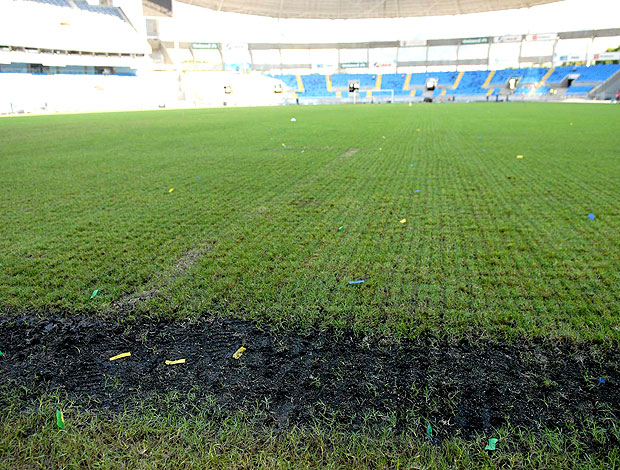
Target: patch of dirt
x,y
460,388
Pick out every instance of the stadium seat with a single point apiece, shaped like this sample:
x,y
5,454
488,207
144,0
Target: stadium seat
x,y
579,90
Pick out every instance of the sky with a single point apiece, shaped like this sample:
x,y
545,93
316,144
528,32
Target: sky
x,y
191,23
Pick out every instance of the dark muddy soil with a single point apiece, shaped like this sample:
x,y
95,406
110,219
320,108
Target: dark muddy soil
x,y
460,388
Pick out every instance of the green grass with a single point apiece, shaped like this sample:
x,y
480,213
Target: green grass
x,y
493,245
207,438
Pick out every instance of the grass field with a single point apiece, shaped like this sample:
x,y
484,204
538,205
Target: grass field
x,y
491,244
243,213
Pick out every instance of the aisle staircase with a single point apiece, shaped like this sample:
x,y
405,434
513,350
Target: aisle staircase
x,y
487,82
541,82
407,82
456,82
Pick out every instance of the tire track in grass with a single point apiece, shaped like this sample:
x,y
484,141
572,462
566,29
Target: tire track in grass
x,y
232,230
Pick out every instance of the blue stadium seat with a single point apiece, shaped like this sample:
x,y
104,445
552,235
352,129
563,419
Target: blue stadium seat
x,y
470,84
597,73
112,11
396,82
289,80
58,3
525,76
579,90
315,86
341,80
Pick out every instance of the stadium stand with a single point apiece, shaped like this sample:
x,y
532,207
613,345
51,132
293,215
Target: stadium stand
x,y
59,3
315,86
470,84
579,90
532,82
340,81
289,80
396,82
597,74
60,33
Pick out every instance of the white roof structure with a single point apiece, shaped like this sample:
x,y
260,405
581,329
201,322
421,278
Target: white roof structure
x,y
356,9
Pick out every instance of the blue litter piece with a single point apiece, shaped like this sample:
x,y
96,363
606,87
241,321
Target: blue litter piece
x,y
417,191
356,282
479,137
591,216
197,177
601,381
484,150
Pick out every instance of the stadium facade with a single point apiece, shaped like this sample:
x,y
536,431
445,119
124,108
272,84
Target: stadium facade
x,y
71,55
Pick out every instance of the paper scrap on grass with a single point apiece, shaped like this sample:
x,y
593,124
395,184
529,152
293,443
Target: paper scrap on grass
x,y
340,228
491,444
519,156
173,363
60,419
484,150
293,120
356,282
417,191
403,221
120,356
239,352
591,216
197,177
284,145
429,431
95,292
170,190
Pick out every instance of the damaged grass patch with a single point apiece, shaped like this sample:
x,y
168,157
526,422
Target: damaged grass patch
x,y
459,388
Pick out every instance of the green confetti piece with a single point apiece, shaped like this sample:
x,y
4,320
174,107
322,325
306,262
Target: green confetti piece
x,y
340,228
429,431
0,353
60,419
95,292
491,444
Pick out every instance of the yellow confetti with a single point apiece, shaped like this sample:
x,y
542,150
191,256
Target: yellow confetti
x,y
239,353
418,130
170,190
519,156
178,361
120,356
403,221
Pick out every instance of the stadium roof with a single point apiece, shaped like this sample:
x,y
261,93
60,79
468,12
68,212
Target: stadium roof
x,y
350,9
